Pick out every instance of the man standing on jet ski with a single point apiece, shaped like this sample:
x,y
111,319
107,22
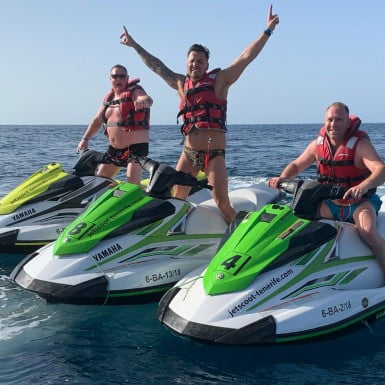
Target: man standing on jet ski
x,y
345,157
203,104
126,116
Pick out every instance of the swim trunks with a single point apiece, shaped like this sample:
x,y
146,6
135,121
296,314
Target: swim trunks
x,y
345,213
199,159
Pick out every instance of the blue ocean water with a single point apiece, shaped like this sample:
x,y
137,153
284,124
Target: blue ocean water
x,y
67,344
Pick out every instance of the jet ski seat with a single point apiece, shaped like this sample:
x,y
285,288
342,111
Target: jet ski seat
x,y
252,198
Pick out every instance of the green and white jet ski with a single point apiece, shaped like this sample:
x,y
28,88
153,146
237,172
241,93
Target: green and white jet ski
x,y
36,211
281,276
130,246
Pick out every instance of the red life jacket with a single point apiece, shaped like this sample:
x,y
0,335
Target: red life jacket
x,y
131,119
199,105
339,168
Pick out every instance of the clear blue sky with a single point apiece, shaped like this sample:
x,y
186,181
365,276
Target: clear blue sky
x,y
56,56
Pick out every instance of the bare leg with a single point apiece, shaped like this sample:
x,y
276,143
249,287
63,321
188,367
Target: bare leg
x,y
184,165
107,170
217,176
325,211
365,220
134,173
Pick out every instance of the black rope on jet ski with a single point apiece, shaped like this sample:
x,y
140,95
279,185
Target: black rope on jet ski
x,y
108,286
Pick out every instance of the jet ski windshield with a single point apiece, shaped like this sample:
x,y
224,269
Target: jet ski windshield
x,y
61,187
151,212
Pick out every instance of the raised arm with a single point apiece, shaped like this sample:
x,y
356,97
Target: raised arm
x,y
173,79
229,75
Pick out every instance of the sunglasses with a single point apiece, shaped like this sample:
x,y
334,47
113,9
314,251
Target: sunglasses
x,y
118,76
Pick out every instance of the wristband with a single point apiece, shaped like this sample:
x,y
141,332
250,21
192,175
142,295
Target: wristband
x,y
85,139
268,31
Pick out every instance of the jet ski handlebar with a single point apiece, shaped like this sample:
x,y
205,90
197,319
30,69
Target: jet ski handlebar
x,y
174,176
308,195
320,191
161,177
88,162
289,186
312,189
185,179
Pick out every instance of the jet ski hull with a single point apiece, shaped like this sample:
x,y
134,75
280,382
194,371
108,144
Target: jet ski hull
x,y
134,264
41,219
139,276
306,293
269,329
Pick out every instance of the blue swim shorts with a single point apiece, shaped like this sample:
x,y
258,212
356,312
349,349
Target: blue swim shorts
x,y
345,213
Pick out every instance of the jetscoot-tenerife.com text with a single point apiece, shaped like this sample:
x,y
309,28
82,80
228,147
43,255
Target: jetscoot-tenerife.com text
x,y
259,292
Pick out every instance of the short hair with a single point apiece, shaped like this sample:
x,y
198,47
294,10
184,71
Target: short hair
x,y
121,67
199,48
340,105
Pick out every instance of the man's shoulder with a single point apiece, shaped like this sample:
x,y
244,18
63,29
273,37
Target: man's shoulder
x,y
364,144
313,145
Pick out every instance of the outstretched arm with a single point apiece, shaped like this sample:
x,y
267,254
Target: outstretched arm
x,y
91,130
229,75
171,78
307,158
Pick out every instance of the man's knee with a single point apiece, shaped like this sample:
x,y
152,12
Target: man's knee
x,y
180,192
371,236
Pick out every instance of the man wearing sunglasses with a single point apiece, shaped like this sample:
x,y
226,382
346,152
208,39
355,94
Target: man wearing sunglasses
x,y
203,103
125,114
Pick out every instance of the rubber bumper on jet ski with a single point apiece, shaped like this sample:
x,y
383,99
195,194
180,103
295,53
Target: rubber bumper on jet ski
x,y
8,240
9,243
92,292
259,332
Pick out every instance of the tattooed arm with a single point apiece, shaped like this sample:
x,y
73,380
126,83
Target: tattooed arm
x,y
173,79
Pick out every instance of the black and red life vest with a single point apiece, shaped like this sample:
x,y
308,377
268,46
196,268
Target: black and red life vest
x,y
200,107
131,119
338,168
